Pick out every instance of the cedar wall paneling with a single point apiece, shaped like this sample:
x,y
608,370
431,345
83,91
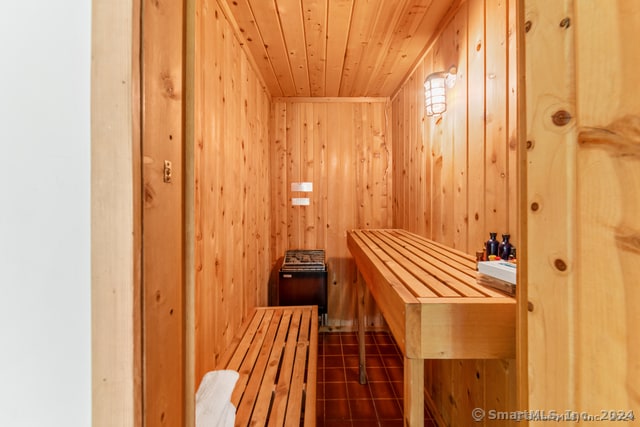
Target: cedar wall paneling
x,y
344,149
582,179
232,193
455,176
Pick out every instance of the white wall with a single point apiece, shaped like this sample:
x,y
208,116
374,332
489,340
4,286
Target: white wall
x,y
45,324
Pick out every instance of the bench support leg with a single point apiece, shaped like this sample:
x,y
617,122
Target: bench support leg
x,y
413,392
362,290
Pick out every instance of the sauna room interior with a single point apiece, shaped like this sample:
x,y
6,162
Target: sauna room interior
x,y
227,104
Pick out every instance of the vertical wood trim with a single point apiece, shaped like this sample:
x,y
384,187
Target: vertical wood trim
x,y
522,379
513,109
115,214
190,214
163,216
551,202
395,136
137,168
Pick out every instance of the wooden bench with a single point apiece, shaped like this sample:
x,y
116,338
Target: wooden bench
x,y
276,357
429,296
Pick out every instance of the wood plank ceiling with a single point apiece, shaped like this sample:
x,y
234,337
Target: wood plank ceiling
x,y
330,48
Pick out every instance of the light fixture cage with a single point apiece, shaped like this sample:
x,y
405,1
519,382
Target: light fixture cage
x,y
435,93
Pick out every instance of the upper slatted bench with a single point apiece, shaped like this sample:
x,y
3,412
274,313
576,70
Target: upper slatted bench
x,y
429,296
276,357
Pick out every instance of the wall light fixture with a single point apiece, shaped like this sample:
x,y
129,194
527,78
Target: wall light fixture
x,y
435,91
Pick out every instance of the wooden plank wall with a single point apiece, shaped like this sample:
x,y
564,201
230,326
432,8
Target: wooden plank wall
x,y
607,207
455,176
583,171
232,193
342,146
163,324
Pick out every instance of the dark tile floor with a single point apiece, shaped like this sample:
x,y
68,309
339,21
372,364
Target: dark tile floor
x,y
342,400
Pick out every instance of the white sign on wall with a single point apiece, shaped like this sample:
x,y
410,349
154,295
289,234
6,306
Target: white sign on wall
x,y
300,201
305,187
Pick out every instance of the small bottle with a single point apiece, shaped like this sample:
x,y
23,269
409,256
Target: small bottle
x,y
492,245
504,249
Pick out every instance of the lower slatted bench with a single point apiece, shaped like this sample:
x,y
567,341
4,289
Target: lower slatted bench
x,y
276,356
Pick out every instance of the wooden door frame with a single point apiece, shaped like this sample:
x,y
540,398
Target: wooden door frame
x,y
116,220
117,108
522,375
116,223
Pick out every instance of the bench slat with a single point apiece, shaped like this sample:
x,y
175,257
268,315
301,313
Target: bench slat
x,y
312,370
294,412
278,412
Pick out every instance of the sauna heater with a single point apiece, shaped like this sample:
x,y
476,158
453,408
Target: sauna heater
x,y
302,280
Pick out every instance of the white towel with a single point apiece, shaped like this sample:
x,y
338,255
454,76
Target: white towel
x,y
213,399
